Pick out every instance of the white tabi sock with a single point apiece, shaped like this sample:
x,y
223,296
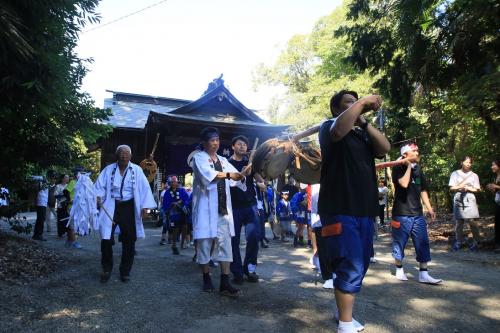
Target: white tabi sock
x,y
424,277
400,274
346,327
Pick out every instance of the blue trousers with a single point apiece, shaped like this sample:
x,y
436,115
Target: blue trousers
x,y
349,242
249,218
415,226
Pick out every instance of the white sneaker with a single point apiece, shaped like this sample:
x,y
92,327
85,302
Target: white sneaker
x,y
357,325
328,284
424,277
400,274
373,260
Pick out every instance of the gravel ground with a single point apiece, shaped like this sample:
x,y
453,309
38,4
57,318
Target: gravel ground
x,y
165,295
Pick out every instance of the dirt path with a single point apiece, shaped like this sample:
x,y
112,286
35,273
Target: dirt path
x,y
164,295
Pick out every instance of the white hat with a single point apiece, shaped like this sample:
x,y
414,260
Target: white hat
x,y
303,186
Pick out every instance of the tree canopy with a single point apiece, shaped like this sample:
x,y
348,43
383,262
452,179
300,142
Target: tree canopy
x,y
45,117
436,64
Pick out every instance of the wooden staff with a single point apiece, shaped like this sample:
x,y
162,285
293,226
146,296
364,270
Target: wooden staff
x,y
391,163
306,133
156,143
250,158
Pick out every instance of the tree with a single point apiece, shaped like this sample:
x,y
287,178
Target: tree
x,y
44,115
438,66
311,68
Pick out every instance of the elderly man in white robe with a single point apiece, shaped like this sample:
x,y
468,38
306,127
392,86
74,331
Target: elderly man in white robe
x,y
124,196
212,210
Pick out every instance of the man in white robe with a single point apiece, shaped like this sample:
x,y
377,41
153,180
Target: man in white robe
x,y
123,194
212,211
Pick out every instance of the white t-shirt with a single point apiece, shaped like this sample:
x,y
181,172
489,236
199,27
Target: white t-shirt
x,y
471,179
383,190
42,198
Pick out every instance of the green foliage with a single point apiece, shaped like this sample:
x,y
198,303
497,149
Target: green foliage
x,y
435,62
438,68
312,69
44,115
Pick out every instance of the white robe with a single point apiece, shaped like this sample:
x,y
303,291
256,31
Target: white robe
x,y
143,198
205,201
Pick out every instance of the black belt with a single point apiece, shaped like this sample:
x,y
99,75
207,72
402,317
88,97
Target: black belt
x,y
123,202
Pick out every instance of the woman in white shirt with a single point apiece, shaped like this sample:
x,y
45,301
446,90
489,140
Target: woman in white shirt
x,y
464,183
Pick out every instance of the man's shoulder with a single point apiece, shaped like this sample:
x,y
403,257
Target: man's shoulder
x,y
199,155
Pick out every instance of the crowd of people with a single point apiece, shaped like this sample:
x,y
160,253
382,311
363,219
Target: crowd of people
x,y
338,217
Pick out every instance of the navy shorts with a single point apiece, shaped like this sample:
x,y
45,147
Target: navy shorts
x,y
302,218
415,226
349,242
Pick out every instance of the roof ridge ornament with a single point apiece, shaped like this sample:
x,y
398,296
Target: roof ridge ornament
x,y
217,82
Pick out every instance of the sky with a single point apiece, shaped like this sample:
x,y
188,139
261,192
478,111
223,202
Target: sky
x,y
176,48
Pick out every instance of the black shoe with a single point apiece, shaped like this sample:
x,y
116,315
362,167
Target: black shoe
x,y
194,258
252,277
208,287
163,242
276,238
263,245
175,250
105,276
238,280
125,278
226,289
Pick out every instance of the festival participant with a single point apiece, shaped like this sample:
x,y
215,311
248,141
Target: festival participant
x,y
290,187
347,201
284,214
4,196
271,218
70,231
245,213
495,188
62,202
464,183
51,201
124,193
42,199
298,204
212,211
263,209
175,202
408,218
382,200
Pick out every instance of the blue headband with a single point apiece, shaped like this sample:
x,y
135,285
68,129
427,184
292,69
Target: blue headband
x,y
210,135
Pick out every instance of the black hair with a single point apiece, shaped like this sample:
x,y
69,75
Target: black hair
x,y
465,158
240,138
206,133
497,162
337,98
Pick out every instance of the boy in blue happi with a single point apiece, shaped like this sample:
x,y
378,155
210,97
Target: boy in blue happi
x,y
300,214
175,200
284,214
